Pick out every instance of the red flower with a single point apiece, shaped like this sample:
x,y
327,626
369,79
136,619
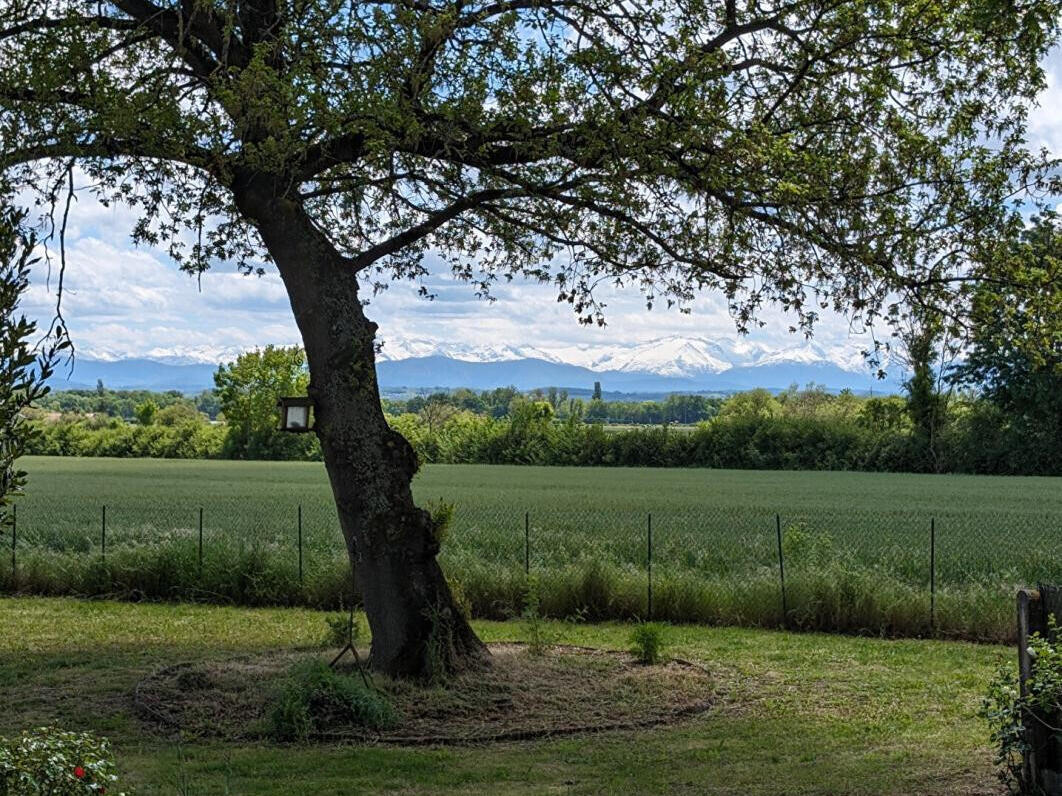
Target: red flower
x,y
79,772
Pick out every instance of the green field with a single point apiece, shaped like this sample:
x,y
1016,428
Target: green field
x,y
856,546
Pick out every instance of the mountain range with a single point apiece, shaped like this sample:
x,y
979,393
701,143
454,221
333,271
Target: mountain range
x,y
663,365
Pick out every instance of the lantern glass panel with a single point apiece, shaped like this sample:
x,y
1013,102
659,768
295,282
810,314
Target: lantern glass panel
x,y
297,416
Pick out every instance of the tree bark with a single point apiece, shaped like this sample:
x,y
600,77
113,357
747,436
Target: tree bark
x,y
417,631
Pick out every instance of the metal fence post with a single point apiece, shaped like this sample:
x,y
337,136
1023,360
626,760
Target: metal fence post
x,y
649,565
781,569
300,543
103,533
14,542
200,542
527,542
932,574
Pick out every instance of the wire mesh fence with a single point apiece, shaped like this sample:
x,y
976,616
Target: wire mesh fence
x,y
900,572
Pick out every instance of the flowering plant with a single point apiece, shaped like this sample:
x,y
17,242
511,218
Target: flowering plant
x,y
51,761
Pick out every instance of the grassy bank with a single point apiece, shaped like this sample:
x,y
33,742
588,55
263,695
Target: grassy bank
x,y
802,713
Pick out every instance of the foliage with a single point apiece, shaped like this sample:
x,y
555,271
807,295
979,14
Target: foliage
x,y
24,370
248,390
648,641
52,762
1006,709
188,439
442,519
814,154
313,695
145,412
807,428
1015,356
124,403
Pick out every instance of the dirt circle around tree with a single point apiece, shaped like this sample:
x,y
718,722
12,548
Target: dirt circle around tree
x,y
520,696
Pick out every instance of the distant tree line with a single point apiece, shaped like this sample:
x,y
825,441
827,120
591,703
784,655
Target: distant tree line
x,y
124,403
685,409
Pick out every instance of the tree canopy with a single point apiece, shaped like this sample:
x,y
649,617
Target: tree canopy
x,y
816,152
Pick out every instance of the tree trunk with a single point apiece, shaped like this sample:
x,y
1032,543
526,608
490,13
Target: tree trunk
x,y
417,631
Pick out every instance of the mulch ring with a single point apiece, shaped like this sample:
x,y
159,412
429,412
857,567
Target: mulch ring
x,y
521,696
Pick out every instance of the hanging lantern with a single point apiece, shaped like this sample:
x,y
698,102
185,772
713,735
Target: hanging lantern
x,y
296,414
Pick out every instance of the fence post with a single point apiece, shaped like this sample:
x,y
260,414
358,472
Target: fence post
x,y
300,543
932,574
200,542
781,569
14,542
103,533
649,565
527,542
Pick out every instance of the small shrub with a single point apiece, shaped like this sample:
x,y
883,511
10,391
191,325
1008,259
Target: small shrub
x,y
442,519
313,695
1004,707
648,642
534,626
52,762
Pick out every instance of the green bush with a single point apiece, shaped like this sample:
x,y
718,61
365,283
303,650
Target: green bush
x,y
52,762
648,642
1005,708
313,696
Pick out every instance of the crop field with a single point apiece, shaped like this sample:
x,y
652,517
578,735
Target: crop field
x,y
861,552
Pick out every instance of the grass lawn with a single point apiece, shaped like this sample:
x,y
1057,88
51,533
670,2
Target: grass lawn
x,y
802,713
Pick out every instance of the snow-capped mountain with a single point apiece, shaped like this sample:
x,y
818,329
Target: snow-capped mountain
x,y
666,364
675,356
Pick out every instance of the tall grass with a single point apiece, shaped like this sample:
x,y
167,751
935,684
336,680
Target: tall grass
x,y
834,596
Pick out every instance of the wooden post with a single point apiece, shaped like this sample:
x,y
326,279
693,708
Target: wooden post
x,y
781,569
932,575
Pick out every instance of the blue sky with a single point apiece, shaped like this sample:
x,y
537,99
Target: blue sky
x,y
123,301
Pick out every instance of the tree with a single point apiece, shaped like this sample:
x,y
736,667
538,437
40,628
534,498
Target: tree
x,y
924,350
24,370
597,392
1015,351
146,411
436,411
799,151
248,390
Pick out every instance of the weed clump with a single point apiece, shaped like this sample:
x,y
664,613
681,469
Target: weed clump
x,y
534,625
312,696
648,641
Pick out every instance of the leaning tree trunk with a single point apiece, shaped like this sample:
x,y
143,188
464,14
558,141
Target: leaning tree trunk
x,y
416,629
